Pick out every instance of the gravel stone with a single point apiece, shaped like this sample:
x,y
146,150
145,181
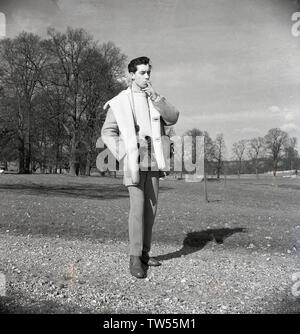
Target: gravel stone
x,y
71,254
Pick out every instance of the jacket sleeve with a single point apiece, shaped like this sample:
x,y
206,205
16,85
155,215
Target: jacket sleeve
x,y
168,112
110,135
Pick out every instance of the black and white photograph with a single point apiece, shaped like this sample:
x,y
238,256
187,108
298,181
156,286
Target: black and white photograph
x,y
149,159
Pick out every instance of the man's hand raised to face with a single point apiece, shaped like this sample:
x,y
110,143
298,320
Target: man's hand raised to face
x,y
149,90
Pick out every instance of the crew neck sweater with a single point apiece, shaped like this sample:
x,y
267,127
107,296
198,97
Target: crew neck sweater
x,y
142,114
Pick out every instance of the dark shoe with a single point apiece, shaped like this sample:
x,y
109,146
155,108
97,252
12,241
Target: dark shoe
x,y
136,267
150,261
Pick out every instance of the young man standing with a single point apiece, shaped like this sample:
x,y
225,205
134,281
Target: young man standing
x,y
135,124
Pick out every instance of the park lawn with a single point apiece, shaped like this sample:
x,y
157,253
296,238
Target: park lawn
x,y
232,252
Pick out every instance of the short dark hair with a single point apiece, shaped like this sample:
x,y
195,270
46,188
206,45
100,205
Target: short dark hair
x,y
132,66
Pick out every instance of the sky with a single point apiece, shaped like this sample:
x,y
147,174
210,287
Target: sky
x,y
229,66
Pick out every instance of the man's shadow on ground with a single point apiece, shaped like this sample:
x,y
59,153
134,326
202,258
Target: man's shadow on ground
x,y
195,241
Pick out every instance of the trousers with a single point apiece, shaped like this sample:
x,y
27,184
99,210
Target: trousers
x,y
143,207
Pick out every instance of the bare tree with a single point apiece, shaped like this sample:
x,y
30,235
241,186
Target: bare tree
x,y
87,74
49,136
238,150
219,152
21,60
68,51
275,141
104,68
8,133
290,152
52,94
255,151
210,149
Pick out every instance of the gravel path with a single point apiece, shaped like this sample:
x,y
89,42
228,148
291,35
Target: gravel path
x,y
63,247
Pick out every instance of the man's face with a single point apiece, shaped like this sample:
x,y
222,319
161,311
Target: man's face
x,y
142,75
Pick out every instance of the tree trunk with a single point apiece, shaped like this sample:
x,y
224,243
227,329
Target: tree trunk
x,y
88,170
218,172
274,168
74,168
240,169
88,164
21,144
275,164
44,163
42,167
21,156
56,158
27,160
60,160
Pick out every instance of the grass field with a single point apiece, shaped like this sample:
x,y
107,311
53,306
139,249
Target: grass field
x,y
64,245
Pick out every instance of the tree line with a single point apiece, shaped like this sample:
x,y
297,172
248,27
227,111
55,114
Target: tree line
x,y
52,92
275,151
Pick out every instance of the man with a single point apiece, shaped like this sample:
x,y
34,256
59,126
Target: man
x,y
134,124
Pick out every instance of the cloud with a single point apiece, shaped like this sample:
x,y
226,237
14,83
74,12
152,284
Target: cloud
x,y
290,127
248,131
274,109
289,116
285,113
